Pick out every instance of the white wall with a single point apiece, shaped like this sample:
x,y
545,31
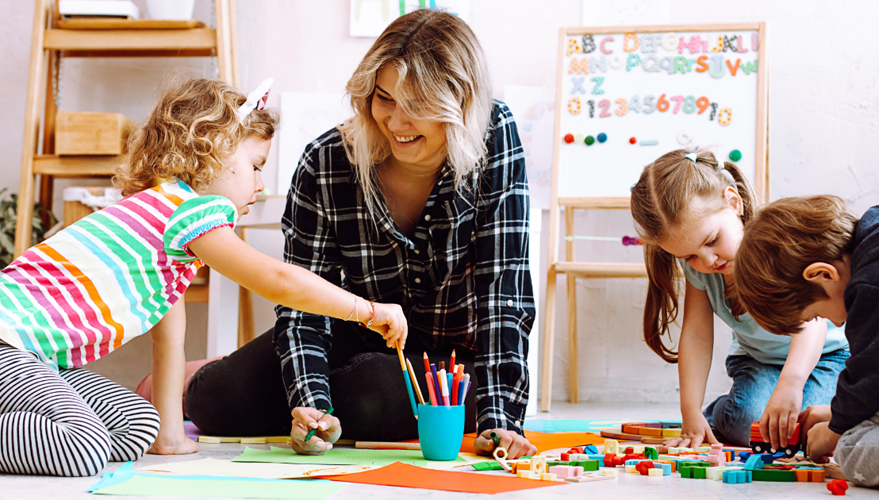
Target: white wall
x,y
824,79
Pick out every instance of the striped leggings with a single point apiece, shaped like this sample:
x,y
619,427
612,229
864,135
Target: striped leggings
x,y
69,423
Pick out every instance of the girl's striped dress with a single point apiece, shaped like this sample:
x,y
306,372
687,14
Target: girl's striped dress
x,y
109,277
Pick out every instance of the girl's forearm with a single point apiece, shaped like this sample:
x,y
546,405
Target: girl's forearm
x,y
694,364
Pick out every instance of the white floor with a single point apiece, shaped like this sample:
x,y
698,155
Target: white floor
x,y
627,486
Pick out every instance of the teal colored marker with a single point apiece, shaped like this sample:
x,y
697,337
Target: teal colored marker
x,y
313,431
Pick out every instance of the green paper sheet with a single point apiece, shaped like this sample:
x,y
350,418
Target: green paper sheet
x,y
154,486
345,456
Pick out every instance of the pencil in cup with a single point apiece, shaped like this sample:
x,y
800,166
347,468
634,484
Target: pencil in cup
x,y
407,382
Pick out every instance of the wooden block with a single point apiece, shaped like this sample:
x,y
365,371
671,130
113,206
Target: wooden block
x,y
653,440
253,440
527,474
74,210
610,472
79,133
654,472
548,476
586,478
816,476
649,431
630,429
773,475
671,433
282,439
631,469
218,439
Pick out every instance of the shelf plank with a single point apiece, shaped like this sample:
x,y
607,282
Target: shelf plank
x,y
123,41
76,166
604,202
95,23
601,269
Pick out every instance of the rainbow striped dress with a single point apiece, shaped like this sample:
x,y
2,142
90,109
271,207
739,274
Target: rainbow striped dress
x,y
109,277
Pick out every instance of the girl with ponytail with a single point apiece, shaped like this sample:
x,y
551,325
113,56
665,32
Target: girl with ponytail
x,y
690,211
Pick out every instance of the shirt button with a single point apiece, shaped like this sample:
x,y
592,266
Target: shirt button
x,y
427,218
509,303
417,252
417,280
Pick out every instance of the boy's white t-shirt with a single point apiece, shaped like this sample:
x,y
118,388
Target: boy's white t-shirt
x,y
748,338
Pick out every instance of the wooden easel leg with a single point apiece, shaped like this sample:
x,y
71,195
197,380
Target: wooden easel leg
x,y
546,373
574,388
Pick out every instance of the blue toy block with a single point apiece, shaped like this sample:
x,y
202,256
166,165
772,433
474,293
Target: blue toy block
x,y
633,461
737,476
596,457
754,462
591,449
666,468
768,458
743,455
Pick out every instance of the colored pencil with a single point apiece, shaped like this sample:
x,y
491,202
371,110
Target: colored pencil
x,y
406,381
418,394
430,390
436,385
452,364
449,384
454,389
426,363
441,365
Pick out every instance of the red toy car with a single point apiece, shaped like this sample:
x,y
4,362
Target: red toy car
x,y
759,446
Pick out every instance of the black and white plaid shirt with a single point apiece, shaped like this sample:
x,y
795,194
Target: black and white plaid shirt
x,y
463,278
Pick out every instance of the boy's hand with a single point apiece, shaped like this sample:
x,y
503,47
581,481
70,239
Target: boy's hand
x,y
177,445
821,442
813,415
779,419
391,323
694,431
304,420
516,445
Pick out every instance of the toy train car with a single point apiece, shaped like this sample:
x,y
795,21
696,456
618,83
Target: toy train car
x,y
794,444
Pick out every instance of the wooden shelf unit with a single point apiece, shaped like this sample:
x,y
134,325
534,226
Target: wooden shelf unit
x,y
51,43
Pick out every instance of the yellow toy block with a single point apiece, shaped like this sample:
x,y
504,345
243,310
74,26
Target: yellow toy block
x,y
610,472
218,439
631,469
611,447
654,472
253,440
526,474
547,476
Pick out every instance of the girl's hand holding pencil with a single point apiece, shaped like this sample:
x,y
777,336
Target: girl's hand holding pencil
x,y
515,444
324,429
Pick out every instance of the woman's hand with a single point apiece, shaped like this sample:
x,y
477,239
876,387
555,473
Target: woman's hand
x,y
779,419
173,445
390,322
516,445
304,420
694,431
821,443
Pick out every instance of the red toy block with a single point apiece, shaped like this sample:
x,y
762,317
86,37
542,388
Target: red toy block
x,y
643,466
577,449
837,487
566,457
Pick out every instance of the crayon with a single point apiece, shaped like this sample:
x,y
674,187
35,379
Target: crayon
x,y
313,431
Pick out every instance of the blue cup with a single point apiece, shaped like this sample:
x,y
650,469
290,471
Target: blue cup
x,y
441,431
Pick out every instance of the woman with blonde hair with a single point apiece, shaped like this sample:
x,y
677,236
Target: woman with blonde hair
x,y
419,199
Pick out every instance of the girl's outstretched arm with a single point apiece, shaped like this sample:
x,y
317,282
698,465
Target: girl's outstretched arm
x,y
779,419
694,364
293,286
169,362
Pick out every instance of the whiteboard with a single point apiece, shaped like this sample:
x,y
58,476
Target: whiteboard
x,y
651,90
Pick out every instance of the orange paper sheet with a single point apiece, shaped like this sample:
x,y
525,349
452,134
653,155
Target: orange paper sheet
x,y
546,440
410,476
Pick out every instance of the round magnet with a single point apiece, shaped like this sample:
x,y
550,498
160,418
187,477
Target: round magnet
x,y
735,155
602,137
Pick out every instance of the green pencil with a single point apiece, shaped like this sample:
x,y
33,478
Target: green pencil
x,y
313,431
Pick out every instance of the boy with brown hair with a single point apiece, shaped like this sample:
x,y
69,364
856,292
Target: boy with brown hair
x,y
804,258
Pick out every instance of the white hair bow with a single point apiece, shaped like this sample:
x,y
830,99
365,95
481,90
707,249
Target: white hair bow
x,y
256,99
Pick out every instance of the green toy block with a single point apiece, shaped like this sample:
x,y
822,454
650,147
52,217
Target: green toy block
x,y
588,465
484,466
774,475
699,472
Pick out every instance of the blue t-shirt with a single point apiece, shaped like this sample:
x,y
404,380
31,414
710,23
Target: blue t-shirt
x,y
748,338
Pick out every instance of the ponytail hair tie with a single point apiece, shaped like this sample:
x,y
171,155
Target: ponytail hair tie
x,y
256,99
691,156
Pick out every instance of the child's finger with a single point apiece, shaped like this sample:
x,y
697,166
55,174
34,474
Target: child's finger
x,y
773,432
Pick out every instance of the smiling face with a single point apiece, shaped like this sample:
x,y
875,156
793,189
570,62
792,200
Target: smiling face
x,y
415,143
709,238
241,180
